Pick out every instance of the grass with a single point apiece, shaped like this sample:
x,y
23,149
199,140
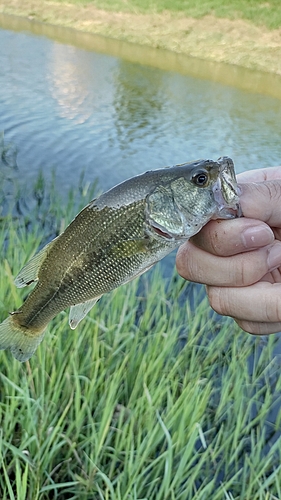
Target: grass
x,y
151,397
259,12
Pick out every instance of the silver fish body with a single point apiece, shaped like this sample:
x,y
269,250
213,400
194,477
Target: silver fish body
x,y
116,238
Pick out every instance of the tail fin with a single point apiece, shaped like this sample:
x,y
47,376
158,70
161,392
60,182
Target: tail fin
x,y
21,343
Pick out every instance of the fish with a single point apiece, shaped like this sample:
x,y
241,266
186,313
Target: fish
x,y
114,239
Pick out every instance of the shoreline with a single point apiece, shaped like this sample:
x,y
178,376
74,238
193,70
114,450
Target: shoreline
x,y
235,42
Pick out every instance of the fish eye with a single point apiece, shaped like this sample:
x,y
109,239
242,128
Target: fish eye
x,y
201,178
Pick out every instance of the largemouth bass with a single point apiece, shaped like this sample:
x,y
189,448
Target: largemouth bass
x,y
114,239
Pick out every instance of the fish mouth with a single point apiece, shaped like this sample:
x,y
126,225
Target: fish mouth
x,y
226,209
226,192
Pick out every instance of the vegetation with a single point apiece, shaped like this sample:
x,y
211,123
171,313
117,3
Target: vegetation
x,y
151,397
257,11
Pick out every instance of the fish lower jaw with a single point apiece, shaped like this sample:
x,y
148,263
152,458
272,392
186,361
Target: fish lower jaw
x,y
229,212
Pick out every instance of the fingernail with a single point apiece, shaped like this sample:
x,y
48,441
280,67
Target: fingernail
x,y
257,236
274,257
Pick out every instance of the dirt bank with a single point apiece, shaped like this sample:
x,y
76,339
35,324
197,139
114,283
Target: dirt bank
x,y
232,41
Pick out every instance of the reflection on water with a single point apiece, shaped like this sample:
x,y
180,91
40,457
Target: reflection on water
x,y
74,109
138,103
63,75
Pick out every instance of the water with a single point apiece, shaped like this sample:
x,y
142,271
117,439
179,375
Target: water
x,y
73,109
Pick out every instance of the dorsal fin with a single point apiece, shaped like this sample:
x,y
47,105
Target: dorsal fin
x,y
29,272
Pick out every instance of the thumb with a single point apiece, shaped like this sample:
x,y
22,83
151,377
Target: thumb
x,y
262,201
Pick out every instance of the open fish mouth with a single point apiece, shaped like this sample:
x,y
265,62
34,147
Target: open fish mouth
x,y
226,190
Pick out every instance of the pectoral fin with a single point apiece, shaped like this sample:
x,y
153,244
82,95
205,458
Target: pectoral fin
x,y
79,311
30,271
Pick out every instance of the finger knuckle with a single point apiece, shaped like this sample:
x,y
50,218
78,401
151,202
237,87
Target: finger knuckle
x,y
273,310
188,265
246,274
249,267
218,300
181,261
273,193
259,328
251,327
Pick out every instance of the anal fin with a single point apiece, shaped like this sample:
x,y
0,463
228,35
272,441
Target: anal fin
x,y
79,311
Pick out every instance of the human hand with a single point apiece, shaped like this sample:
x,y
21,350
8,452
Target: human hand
x,y
240,259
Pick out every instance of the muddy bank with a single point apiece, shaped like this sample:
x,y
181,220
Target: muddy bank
x,y
235,42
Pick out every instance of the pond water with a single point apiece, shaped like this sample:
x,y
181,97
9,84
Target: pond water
x,y
71,108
